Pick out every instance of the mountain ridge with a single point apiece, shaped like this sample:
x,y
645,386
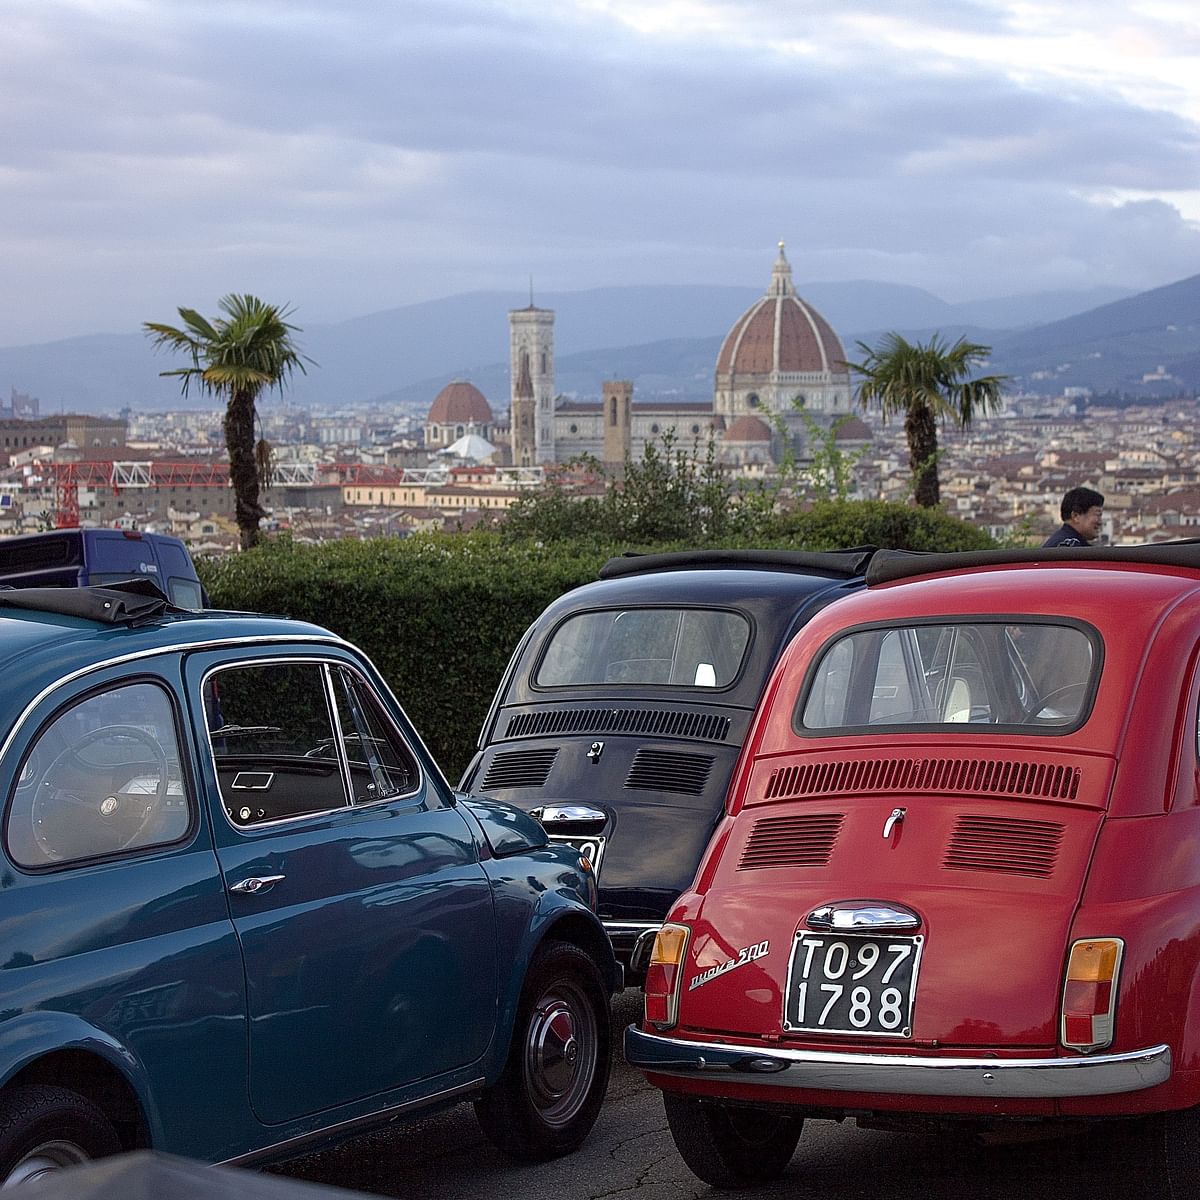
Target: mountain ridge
x,y
665,337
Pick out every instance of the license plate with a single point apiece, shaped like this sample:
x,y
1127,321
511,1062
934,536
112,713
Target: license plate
x,y
592,848
851,983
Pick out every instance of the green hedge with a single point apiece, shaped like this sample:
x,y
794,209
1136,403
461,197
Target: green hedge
x,y
440,614
832,524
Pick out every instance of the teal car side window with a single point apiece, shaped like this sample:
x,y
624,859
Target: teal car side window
x,y
103,777
292,739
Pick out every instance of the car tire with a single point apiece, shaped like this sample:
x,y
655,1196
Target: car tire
x,y
547,1100
45,1129
729,1146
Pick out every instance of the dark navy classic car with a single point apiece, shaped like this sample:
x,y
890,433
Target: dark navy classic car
x,y
242,913
624,709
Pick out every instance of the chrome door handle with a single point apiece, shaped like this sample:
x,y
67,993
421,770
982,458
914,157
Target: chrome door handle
x,y
256,884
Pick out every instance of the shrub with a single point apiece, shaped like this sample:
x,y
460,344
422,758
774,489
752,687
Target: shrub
x,y
832,524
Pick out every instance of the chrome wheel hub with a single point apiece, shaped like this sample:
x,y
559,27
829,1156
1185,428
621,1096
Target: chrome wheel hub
x,y
560,1056
44,1160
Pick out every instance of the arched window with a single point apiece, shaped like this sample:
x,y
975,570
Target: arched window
x,y
612,410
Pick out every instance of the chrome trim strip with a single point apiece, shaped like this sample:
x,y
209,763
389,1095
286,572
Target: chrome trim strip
x,y
900,1074
293,1145
634,927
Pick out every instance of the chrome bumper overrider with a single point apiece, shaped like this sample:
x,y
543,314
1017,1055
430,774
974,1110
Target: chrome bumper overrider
x,y
635,937
901,1074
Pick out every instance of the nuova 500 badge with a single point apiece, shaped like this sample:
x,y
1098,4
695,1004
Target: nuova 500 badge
x,y
746,954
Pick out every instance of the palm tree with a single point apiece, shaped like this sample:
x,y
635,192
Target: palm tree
x,y
927,383
235,357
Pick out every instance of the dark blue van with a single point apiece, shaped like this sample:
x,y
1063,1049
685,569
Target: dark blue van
x,y
78,557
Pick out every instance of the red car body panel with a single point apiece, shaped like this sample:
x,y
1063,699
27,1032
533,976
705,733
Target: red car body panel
x,y
1091,832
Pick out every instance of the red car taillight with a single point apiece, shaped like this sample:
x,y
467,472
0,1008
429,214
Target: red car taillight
x,y
664,974
1090,994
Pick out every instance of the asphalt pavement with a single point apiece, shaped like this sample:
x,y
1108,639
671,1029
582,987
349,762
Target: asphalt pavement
x,y
630,1154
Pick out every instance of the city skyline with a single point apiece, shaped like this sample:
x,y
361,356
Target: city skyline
x,y
353,160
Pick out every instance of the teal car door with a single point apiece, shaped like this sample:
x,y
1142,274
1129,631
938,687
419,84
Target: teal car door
x,y
364,917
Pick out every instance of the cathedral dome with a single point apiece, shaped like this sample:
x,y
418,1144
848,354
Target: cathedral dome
x,y
459,403
781,335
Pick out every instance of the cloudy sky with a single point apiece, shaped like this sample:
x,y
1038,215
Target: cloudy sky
x,y
347,156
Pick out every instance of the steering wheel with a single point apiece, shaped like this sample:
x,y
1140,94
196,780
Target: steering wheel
x,y
68,823
1058,693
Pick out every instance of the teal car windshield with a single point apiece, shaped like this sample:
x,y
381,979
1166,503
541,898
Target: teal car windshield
x,y
1034,674
685,647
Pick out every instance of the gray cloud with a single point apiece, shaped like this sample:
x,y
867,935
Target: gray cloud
x,y
349,157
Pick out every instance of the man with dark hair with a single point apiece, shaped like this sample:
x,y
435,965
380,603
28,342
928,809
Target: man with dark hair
x,y
1082,508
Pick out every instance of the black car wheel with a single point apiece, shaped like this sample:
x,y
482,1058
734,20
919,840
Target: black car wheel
x,y
732,1147
45,1129
547,1100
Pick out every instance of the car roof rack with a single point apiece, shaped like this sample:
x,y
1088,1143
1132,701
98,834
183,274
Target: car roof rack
x,y
849,562
122,602
889,566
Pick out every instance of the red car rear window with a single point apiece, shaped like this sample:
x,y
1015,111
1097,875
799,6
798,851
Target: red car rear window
x,y
1040,676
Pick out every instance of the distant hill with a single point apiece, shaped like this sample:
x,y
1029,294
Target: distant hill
x,y
1112,347
663,337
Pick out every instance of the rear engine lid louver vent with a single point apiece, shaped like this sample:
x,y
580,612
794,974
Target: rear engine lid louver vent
x,y
805,840
1005,844
667,771
653,722
977,776
519,768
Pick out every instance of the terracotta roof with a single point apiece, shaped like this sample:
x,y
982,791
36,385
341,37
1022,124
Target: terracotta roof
x,y
748,428
853,429
459,402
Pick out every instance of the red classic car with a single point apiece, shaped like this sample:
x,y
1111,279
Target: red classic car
x,y
959,872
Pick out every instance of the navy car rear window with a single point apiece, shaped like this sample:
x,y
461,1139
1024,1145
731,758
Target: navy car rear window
x,y
1038,675
682,647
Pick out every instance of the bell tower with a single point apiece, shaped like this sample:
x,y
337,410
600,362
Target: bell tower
x,y
531,363
618,396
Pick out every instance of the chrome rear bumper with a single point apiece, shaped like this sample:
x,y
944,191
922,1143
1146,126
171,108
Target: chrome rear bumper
x,y
900,1074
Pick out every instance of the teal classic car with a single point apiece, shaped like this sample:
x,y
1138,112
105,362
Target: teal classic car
x,y
243,914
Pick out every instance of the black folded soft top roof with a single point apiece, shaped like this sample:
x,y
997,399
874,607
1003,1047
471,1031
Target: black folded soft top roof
x,y
126,600
888,566
847,563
